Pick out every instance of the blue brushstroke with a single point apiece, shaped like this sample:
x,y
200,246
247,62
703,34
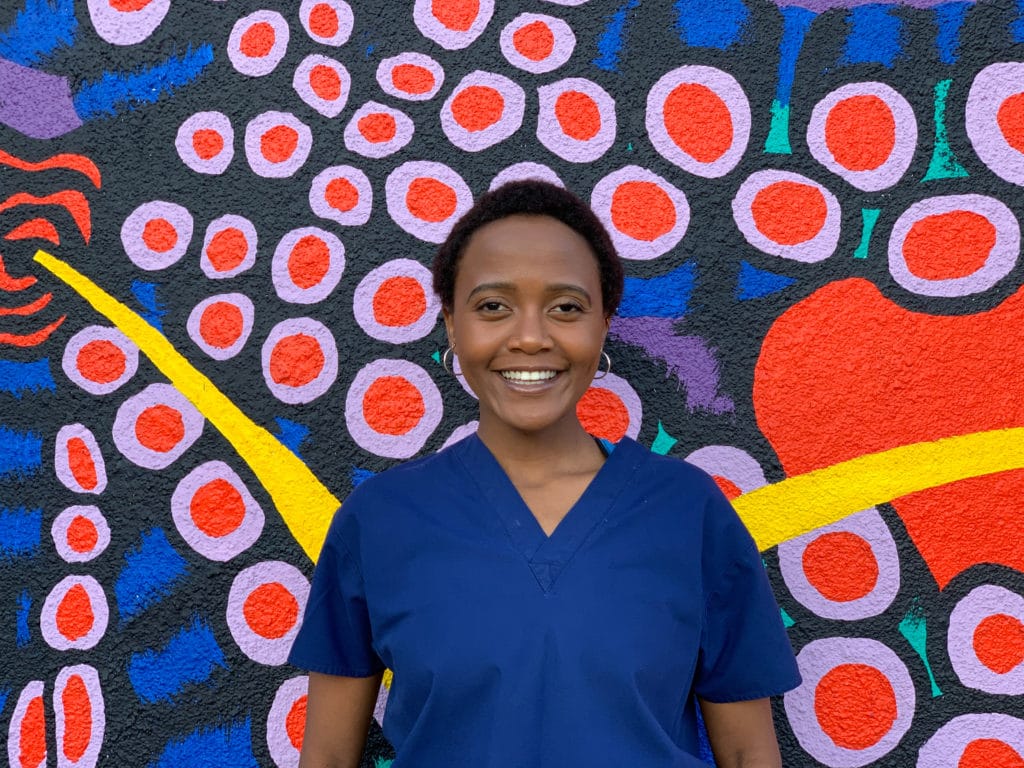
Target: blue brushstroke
x,y
1017,27
754,283
153,310
220,745
38,31
115,91
665,296
611,43
291,434
359,475
21,454
4,694
719,24
795,23
703,742
151,572
950,18
189,658
19,379
876,36
22,634
20,532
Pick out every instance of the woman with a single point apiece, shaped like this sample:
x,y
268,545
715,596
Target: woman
x,y
543,599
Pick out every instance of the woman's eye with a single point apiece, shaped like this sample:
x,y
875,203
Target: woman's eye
x,y
568,306
492,306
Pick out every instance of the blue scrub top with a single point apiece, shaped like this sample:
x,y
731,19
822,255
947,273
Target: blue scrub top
x,y
512,648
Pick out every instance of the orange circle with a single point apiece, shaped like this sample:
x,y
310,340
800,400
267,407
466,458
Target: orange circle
x,y
101,361
789,212
377,127
430,200
207,143
81,463
309,262
456,15
74,617
603,414
160,428
399,301
81,534
159,235
341,195
325,82
392,405
258,40
860,132
77,718
858,575
323,20
227,249
534,41
32,741
271,610
855,705
999,642
217,508
412,79
990,753
477,107
578,115
728,487
642,210
221,324
295,722
296,360
1010,119
127,6
698,121
277,144
949,245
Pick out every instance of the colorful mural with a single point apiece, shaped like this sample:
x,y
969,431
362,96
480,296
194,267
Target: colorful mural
x,y
216,320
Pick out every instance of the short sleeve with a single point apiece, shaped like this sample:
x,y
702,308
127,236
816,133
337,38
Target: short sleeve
x,y
745,653
335,636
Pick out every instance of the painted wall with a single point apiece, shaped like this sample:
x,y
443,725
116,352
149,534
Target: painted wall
x,y
231,325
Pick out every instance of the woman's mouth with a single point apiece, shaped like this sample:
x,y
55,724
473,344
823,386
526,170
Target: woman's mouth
x,y
528,377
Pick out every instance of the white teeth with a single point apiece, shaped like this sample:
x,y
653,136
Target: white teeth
x,y
528,376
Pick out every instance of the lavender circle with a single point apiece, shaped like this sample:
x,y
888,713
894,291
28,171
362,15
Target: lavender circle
x,y
818,658
625,392
286,288
216,226
303,87
450,39
269,651
217,548
818,248
62,465
511,119
991,87
385,77
869,526
362,302
732,95
629,247
309,392
461,433
262,65
735,465
262,123
355,216
33,690
946,747
63,521
567,2
345,21
141,254
397,187
356,142
892,170
124,426
195,318
126,27
100,612
392,446
1000,262
216,121
91,680
565,43
549,130
980,603
526,170
91,333
279,744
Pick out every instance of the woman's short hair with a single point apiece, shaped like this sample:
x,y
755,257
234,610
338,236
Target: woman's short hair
x,y
531,197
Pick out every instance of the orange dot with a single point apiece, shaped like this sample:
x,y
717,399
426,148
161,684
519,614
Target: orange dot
x,y
127,6
159,235
399,301
295,722
309,261
32,749
279,143
477,107
788,212
698,122
271,610
456,15
81,463
855,705
534,41
412,79
430,200
577,115
258,40
221,324
392,405
227,249
949,245
642,210
77,718
999,642
101,361
728,487
207,143
323,20
377,127
325,82
296,360
82,535
159,428
860,132
74,616
990,753
341,195
217,508
859,572
603,414
1010,119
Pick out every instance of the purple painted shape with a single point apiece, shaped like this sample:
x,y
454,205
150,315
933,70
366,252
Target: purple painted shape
x,y
689,359
34,103
820,6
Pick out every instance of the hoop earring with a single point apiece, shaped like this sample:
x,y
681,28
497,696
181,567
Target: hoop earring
x,y
447,358
608,368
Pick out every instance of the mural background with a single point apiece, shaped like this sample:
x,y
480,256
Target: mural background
x,y
819,202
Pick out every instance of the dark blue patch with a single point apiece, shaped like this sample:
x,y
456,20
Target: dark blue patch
x,y
753,283
876,36
611,43
4,693
19,379
665,296
152,308
38,30
189,658
22,634
151,572
719,24
291,434
21,454
20,532
795,23
950,18
220,745
1017,27
359,475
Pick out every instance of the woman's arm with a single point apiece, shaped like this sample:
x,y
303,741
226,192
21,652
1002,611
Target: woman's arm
x,y
338,712
742,734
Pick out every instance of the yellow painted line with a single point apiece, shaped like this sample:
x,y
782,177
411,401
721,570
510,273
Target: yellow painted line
x,y
303,501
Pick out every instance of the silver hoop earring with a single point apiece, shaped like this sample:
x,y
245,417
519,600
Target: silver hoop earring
x,y
608,366
447,358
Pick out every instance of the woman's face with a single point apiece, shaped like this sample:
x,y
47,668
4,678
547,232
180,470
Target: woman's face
x,y
527,322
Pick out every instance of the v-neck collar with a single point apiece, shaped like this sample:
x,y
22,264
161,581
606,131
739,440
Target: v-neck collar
x,y
547,556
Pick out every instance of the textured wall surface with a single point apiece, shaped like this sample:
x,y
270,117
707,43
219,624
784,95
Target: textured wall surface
x,y
215,320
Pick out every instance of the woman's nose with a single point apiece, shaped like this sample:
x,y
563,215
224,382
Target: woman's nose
x,y
530,333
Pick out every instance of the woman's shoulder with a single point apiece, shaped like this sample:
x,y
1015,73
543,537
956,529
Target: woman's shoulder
x,y
669,470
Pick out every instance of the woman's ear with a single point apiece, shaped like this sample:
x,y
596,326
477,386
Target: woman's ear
x,y
449,326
